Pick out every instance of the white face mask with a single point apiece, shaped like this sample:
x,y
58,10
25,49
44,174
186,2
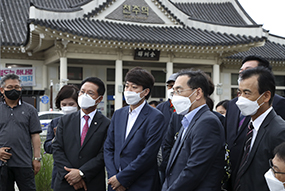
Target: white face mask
x,y
182,104
68,109
169,93
248,107
132,98
85,101
272,182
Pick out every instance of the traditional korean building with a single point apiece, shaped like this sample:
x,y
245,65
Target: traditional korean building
x,y
67,41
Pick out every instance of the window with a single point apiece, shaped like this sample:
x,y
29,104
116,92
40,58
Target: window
x,y
234,79
18,65
280,80
159,76
111,74
158,92
74,73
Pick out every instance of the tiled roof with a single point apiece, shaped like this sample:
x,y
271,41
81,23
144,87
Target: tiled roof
x,y
221,13
14,26
59,5
271,51
136,34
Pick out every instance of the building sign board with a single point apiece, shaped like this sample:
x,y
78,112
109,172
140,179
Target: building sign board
x,y
27,74
148,54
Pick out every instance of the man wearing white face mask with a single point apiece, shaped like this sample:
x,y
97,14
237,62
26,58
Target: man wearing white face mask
x,y
265,131
236,123
167,109
134,137
197,157
78,144
275,176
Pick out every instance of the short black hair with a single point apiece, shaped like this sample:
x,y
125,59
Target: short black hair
x,y
279,151
266,80
67,91
141,77
198,79
223,103
10,76
153,102
261,61
96,81
210,103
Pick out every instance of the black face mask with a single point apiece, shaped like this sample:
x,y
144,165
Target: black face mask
x,y
13,94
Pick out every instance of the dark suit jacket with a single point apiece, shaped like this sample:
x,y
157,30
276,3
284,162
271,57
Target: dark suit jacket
x,y
165,109
196,161
68,152
48,145
133,160
236,137
270,134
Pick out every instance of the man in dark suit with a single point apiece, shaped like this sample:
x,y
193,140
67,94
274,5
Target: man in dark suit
x,y
78,144
236,123
134,137
265,131
197,157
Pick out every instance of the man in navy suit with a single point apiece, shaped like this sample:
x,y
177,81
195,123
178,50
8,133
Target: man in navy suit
x,y
265,131
79,141
134,137
235,123
197,157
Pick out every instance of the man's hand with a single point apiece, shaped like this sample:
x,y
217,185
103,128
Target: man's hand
x,y
121,188
36,166
4,156
114,182
80,184
73,176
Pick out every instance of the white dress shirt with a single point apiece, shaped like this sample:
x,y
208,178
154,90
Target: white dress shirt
x,y
82,120
133,115
257,123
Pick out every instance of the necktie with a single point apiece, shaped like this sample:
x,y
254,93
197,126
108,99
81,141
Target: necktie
x,y
241,120
246,151
85,129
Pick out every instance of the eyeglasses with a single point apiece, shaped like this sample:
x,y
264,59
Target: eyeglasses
x,y
90,93
272,167
179,92
169,85
13,87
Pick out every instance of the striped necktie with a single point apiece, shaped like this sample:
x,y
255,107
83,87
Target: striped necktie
x,y
246,151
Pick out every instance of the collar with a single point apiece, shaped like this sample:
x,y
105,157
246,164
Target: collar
x,y
91,115
189,116
138,109
19,103
258,121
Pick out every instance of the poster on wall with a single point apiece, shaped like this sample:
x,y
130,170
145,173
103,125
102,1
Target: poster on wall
x,y
27,75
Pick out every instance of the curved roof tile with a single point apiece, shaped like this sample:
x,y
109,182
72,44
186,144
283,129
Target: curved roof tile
x,y
135,33
221,13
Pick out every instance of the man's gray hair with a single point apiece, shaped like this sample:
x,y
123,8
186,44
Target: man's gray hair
x,y
8,77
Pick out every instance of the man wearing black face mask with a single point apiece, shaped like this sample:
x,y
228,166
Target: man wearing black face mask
x,y
19,129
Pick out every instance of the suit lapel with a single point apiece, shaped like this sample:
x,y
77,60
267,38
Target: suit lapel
x,y
121,133
140,119
182,139
95,124
74,130
261,133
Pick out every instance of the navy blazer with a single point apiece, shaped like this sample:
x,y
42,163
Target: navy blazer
x,y
48,145
236,137
133,160
166,110
67,151
196,160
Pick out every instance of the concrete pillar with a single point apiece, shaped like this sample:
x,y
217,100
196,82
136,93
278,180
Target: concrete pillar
x,y
44,107
63,71
118,84
169,71
216,81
